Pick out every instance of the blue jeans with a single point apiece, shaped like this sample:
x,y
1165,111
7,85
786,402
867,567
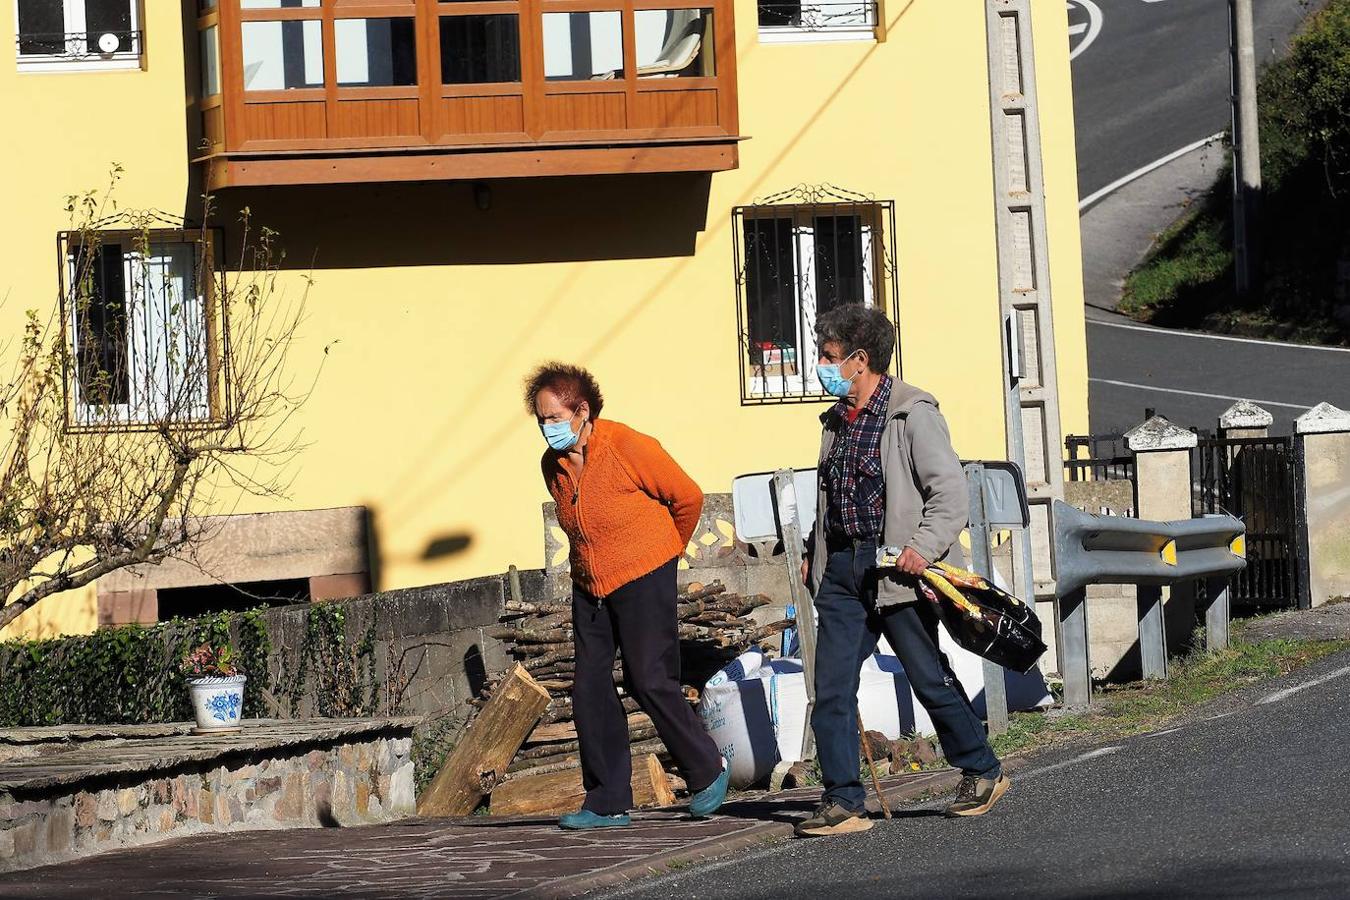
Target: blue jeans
x,y
848,624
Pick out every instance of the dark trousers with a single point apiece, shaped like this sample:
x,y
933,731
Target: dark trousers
x,y
848,624
640,620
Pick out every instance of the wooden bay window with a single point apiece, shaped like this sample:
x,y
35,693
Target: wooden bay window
x,y
315,91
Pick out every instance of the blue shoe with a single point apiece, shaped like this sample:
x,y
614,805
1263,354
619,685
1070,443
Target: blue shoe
x,y
706,801
584,818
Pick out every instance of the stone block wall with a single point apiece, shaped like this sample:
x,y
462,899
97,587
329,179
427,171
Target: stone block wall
x,y
364,780
1112,609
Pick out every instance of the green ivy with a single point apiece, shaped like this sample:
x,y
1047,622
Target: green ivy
x,y
129,674
125,675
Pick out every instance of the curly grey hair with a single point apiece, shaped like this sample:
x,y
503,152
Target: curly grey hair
x,y
857,327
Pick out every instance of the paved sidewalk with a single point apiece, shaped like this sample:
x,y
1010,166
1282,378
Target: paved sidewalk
x,y
1118,231
420,858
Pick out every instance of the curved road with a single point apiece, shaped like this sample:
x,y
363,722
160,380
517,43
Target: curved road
x,y
1151,77
1155,76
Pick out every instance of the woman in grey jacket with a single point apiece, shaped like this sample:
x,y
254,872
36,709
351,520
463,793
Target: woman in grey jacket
x,y
887,476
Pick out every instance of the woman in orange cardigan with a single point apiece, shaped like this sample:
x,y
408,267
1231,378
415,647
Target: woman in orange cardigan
x,y
629,511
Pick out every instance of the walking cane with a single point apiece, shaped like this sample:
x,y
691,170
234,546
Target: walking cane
x,y
872,766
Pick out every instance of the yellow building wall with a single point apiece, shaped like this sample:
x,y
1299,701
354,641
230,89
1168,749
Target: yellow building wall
x,y
417,413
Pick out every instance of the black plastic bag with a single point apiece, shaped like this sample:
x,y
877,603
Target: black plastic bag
x,y
984,619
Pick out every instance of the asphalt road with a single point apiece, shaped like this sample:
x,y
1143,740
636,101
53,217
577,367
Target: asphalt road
x,y
1151,77
1245,802
1193,379
1155,77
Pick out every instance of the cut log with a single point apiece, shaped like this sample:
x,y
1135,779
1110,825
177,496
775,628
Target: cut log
x,y
479,760
530,767
703,591
567,731
562,792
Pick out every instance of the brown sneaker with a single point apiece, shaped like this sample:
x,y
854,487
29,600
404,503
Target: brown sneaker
x,y
976,796
831,818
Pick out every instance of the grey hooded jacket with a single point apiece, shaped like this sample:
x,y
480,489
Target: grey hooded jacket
x,y
927,505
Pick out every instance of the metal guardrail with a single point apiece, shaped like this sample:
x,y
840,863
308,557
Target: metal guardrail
x,y
1092,549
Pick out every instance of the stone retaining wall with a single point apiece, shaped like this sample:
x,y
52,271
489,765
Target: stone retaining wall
x,y
60,801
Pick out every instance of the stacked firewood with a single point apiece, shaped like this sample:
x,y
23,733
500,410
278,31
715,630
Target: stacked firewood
x,y
714,627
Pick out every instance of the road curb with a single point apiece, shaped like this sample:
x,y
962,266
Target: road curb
x,y
901,789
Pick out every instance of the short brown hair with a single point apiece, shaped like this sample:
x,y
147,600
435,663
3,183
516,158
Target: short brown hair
x,y
572,384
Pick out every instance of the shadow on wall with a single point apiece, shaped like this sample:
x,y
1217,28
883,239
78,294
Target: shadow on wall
x,y
514,220
438,547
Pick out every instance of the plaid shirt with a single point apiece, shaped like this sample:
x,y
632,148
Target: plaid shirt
x,y
853,481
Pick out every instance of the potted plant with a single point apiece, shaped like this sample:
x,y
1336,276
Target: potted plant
x,y
217,687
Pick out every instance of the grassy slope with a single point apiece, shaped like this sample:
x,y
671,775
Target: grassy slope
x,y
1305,160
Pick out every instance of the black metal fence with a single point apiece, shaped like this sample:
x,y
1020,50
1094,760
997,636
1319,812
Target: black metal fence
x,y
1255,479
1098,457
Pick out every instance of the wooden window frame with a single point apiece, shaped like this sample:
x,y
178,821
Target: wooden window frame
x,y
546,113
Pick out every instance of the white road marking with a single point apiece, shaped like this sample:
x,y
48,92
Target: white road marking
x,y
1161,733
1093,26
1163,390
1222,337
1092,754
1141,172
1291,691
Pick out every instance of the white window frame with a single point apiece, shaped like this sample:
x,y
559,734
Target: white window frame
x,y
817,28
804,233
150,374
79,55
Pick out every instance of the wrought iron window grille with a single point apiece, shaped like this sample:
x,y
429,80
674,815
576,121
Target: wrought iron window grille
x,y
145,354
798,254
78,46
801,16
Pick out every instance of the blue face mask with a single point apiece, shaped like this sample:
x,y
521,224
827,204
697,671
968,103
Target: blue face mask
x,y
559,435
835,384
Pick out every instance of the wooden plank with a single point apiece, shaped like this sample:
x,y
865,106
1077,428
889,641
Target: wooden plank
x,y
228,172
562,792
479,760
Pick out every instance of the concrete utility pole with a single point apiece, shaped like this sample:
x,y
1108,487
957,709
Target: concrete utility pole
x,y
1246,153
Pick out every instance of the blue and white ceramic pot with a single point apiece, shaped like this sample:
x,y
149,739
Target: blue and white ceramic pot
x,y
217,702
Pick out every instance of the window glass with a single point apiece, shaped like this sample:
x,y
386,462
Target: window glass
x,y
480,49
842,273
210,61
581,46
108,17
277,4
771,294
102,372
42,27
283,55
674,43
376,52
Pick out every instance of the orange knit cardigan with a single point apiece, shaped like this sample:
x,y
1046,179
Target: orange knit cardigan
x,y
632,510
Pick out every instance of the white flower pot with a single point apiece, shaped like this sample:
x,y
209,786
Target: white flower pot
x,y
217,702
